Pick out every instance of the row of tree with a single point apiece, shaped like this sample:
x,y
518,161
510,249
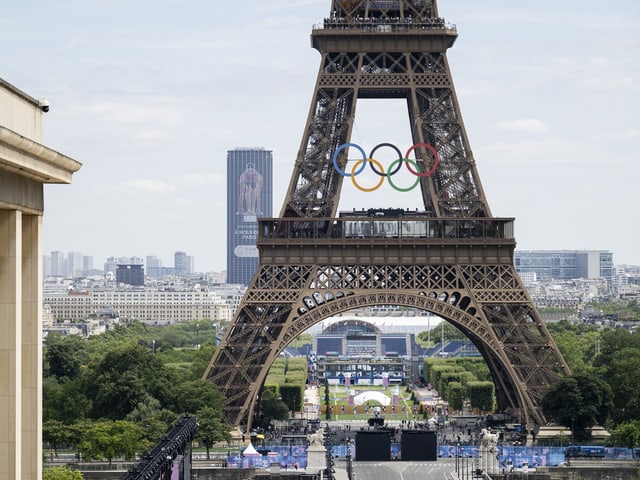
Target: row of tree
x,y
136,379
604,388
116,395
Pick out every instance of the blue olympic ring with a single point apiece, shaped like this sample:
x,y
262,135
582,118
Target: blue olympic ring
x,y
394,167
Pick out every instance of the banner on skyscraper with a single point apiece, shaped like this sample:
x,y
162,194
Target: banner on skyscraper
x,y
249,197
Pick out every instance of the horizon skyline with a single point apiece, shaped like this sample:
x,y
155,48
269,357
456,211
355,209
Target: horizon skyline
x,y
144,258
547,92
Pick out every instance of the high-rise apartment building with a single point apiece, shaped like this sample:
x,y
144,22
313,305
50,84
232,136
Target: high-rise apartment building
x,y
249,197
153,266
57,264
87,264
46,266
112,263
182,264
130,274
75,264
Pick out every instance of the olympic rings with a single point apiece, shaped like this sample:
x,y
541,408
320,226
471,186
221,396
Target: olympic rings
x,y
378,169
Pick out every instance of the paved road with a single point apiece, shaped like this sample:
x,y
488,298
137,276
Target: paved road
x,y
443,469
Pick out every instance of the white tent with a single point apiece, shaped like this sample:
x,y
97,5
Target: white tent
x,y
372,395
250,450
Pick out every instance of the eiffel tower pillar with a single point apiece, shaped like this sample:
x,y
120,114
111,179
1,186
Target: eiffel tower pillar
x,y
453,258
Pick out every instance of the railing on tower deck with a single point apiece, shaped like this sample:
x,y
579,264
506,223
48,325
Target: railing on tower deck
x,y
386,24
406,227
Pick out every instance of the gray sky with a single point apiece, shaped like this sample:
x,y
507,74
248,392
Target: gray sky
x,y
150,95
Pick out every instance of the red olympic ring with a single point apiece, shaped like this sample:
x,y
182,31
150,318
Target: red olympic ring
x,y
436,159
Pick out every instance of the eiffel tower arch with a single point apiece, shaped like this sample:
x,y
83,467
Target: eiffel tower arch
x,y
453,258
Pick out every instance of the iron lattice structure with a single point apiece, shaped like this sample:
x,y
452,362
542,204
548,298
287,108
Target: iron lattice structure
x,y
453,259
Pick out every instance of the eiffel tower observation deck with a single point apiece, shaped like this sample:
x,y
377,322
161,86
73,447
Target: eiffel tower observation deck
x,y
448,255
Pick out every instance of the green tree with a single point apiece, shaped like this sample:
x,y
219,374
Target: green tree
x,y
61,473
64,355
618,364
109,440
77,430
125,377
327,401
154,421
481,395
626,434
211,428
271,408
577,347
443,329
578,402
64,400
56,434
621,373
455,395
201,359
193,395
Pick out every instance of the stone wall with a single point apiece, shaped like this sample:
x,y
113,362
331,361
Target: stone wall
x,y
618,471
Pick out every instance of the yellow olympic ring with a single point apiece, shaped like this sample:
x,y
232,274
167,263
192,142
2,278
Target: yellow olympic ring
x,y
353,175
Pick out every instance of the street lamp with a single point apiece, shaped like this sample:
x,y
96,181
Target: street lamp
x,y
572,431
197,335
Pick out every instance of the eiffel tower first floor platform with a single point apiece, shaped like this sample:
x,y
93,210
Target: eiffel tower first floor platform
x,y
459,269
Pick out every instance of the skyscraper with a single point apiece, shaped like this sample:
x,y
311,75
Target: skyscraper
x,y
57,264
153,266
182,264
249,197
75,264
130,274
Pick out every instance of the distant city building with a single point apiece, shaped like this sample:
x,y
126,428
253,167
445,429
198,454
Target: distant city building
x,y
75,264
46,266
249,197
130,275
112,263
528,278
87,264
149,305
153,266
57,264
565,264
182,264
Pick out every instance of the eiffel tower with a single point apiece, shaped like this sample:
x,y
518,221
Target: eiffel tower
x,y
454,259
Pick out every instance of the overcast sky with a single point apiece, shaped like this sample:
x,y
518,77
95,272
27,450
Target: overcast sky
x,y
150,95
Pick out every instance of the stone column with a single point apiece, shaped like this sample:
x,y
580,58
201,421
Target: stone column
x,y
20,352
31,346
10,341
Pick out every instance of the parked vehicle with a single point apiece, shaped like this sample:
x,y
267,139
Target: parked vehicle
x,y
588,451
